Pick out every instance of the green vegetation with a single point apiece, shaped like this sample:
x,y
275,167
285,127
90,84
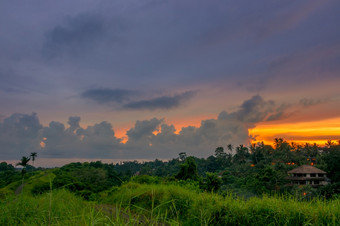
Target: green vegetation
x,y
189,206
243,186
173,204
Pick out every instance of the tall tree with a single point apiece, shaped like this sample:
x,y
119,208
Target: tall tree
x,y
241,154
33,156
188,170
182,156
230,148
23,162
332,160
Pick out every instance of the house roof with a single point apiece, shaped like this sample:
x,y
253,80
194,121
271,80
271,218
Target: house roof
x,y
306,169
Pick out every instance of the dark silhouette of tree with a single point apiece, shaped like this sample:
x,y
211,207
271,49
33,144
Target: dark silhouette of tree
x,y
332,160
230,148
23,162
182,156
188,170
222,159
241,154
219,152
257,152
330,143
33,156
283,150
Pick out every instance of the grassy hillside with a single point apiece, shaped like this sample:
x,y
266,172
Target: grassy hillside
x,y
93,194
191,207
148,204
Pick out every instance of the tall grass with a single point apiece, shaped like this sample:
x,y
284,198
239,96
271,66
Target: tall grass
x,y
63,208
164,204
178,204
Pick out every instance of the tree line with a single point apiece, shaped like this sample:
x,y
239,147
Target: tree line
x,y
245,171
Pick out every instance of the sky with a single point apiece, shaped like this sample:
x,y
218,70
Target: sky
x,y
132,79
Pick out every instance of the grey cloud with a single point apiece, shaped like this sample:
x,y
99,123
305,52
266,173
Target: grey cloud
x,y
95,141
59,142
306,102
100,141
200,141
78,34
19,135
164,102
257,109
143,130
1,117
147,139
73,121
104,96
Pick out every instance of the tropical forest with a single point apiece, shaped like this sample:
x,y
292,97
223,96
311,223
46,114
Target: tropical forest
x,y
233,186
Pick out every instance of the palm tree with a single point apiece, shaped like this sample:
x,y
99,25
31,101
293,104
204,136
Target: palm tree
x,y
230,148
330,143
23,162
33,156
241,154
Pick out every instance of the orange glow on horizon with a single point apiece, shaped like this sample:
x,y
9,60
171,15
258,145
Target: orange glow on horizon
x,y
318,132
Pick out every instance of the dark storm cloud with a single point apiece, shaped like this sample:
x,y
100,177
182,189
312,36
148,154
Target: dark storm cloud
x,y
126,99
19,135
104,96
95,141
79,34
73,121
165,44
143,129
307,102
60,48
154,138
257,109
163,102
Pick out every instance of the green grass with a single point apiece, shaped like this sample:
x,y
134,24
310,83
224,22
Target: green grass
x,y
157,204
58,208
172,202
61,207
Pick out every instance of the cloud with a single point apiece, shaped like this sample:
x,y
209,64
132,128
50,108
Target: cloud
x,y
257,109
154,138
200,141
77,35
19,135
163,102
307,102
143,129
131,99
95,141
73,121
101,138
291,15
105,96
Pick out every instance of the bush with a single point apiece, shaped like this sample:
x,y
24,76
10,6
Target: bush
x,y
40,188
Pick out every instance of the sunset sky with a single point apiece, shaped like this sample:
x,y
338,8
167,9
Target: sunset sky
x,y
146,79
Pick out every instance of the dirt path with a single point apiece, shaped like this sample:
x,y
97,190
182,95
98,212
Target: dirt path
x,y
19,189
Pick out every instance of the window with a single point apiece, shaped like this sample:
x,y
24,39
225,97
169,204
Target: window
x,y
313,175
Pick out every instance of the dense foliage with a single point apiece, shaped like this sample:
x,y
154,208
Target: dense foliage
x,y
86,179
239,186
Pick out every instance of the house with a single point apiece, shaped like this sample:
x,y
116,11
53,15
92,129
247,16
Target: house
x,y
306,174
